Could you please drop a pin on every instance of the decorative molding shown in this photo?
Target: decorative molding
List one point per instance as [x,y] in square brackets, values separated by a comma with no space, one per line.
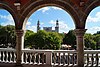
[17,4]
[82,3]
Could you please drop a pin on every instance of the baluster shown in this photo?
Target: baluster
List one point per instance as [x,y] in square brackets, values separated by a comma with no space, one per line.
[10,56]
[55,58]
[97,60]
[3,57]
[29,57]
[32,58]
[64,59]
[35,60]
[7,56]
[87,59]
[26,57]
[42,58]
[73,59]
[38,58]
[92,58]
[14,56]
[0,55]
[68,59]
[59,57]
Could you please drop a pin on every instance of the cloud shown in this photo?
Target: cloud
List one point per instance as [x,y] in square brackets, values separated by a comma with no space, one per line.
[96,18]
[44,9]
[93,30]
[56,8]
[33,28]
[29,26]
[8,20]
[28,23]
[62,26]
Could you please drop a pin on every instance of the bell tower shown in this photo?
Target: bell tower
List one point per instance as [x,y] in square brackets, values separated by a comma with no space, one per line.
[57,26]
[38,25]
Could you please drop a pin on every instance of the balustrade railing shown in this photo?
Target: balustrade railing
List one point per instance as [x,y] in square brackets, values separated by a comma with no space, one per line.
[34,56]
[65,57]
[7,55]
[51,57]
[92,58]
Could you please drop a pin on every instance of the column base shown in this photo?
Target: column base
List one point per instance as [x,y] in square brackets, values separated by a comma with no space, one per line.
[80,65]
[19,65]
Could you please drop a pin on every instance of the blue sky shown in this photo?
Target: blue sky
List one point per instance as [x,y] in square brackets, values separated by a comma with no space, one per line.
[48,16]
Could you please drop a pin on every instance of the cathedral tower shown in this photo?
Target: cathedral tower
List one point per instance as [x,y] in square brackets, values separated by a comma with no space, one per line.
[57,27]
[38,25]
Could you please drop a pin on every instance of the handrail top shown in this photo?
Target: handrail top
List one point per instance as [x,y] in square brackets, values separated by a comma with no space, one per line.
[52,51]
[7,49]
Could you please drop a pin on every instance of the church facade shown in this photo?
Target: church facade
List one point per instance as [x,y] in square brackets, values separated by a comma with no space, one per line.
[48,29]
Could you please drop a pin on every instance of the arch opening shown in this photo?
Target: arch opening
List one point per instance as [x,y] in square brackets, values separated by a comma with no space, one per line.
[92,36]
[7,30]
[47,18]
[30,9]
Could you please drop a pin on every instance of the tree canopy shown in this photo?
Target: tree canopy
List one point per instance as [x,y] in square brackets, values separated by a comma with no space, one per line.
[45,40]
[7,36]
[70,38]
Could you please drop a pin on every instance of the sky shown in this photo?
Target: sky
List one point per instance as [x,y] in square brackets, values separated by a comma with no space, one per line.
[48,16]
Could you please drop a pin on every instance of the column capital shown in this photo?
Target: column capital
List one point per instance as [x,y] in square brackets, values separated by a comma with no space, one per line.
[19,32]
[80,32]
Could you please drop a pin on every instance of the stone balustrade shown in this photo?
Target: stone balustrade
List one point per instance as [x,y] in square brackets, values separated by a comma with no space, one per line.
[92,58]
[51,57]
[7,55]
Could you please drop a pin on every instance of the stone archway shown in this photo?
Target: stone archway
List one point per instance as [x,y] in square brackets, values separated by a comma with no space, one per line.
[79,11]
[89,8]
[11,10]
[32,7]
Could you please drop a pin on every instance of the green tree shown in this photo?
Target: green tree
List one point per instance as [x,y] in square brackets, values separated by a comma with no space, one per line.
[7,36]
[43,40]
[96,37]
[28,39]
[70,39]
[97,40]
[89,41]
[39,39]
[53,41]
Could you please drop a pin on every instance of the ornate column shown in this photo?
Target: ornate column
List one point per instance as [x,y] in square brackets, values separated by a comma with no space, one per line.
[80,46]
[19,46]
